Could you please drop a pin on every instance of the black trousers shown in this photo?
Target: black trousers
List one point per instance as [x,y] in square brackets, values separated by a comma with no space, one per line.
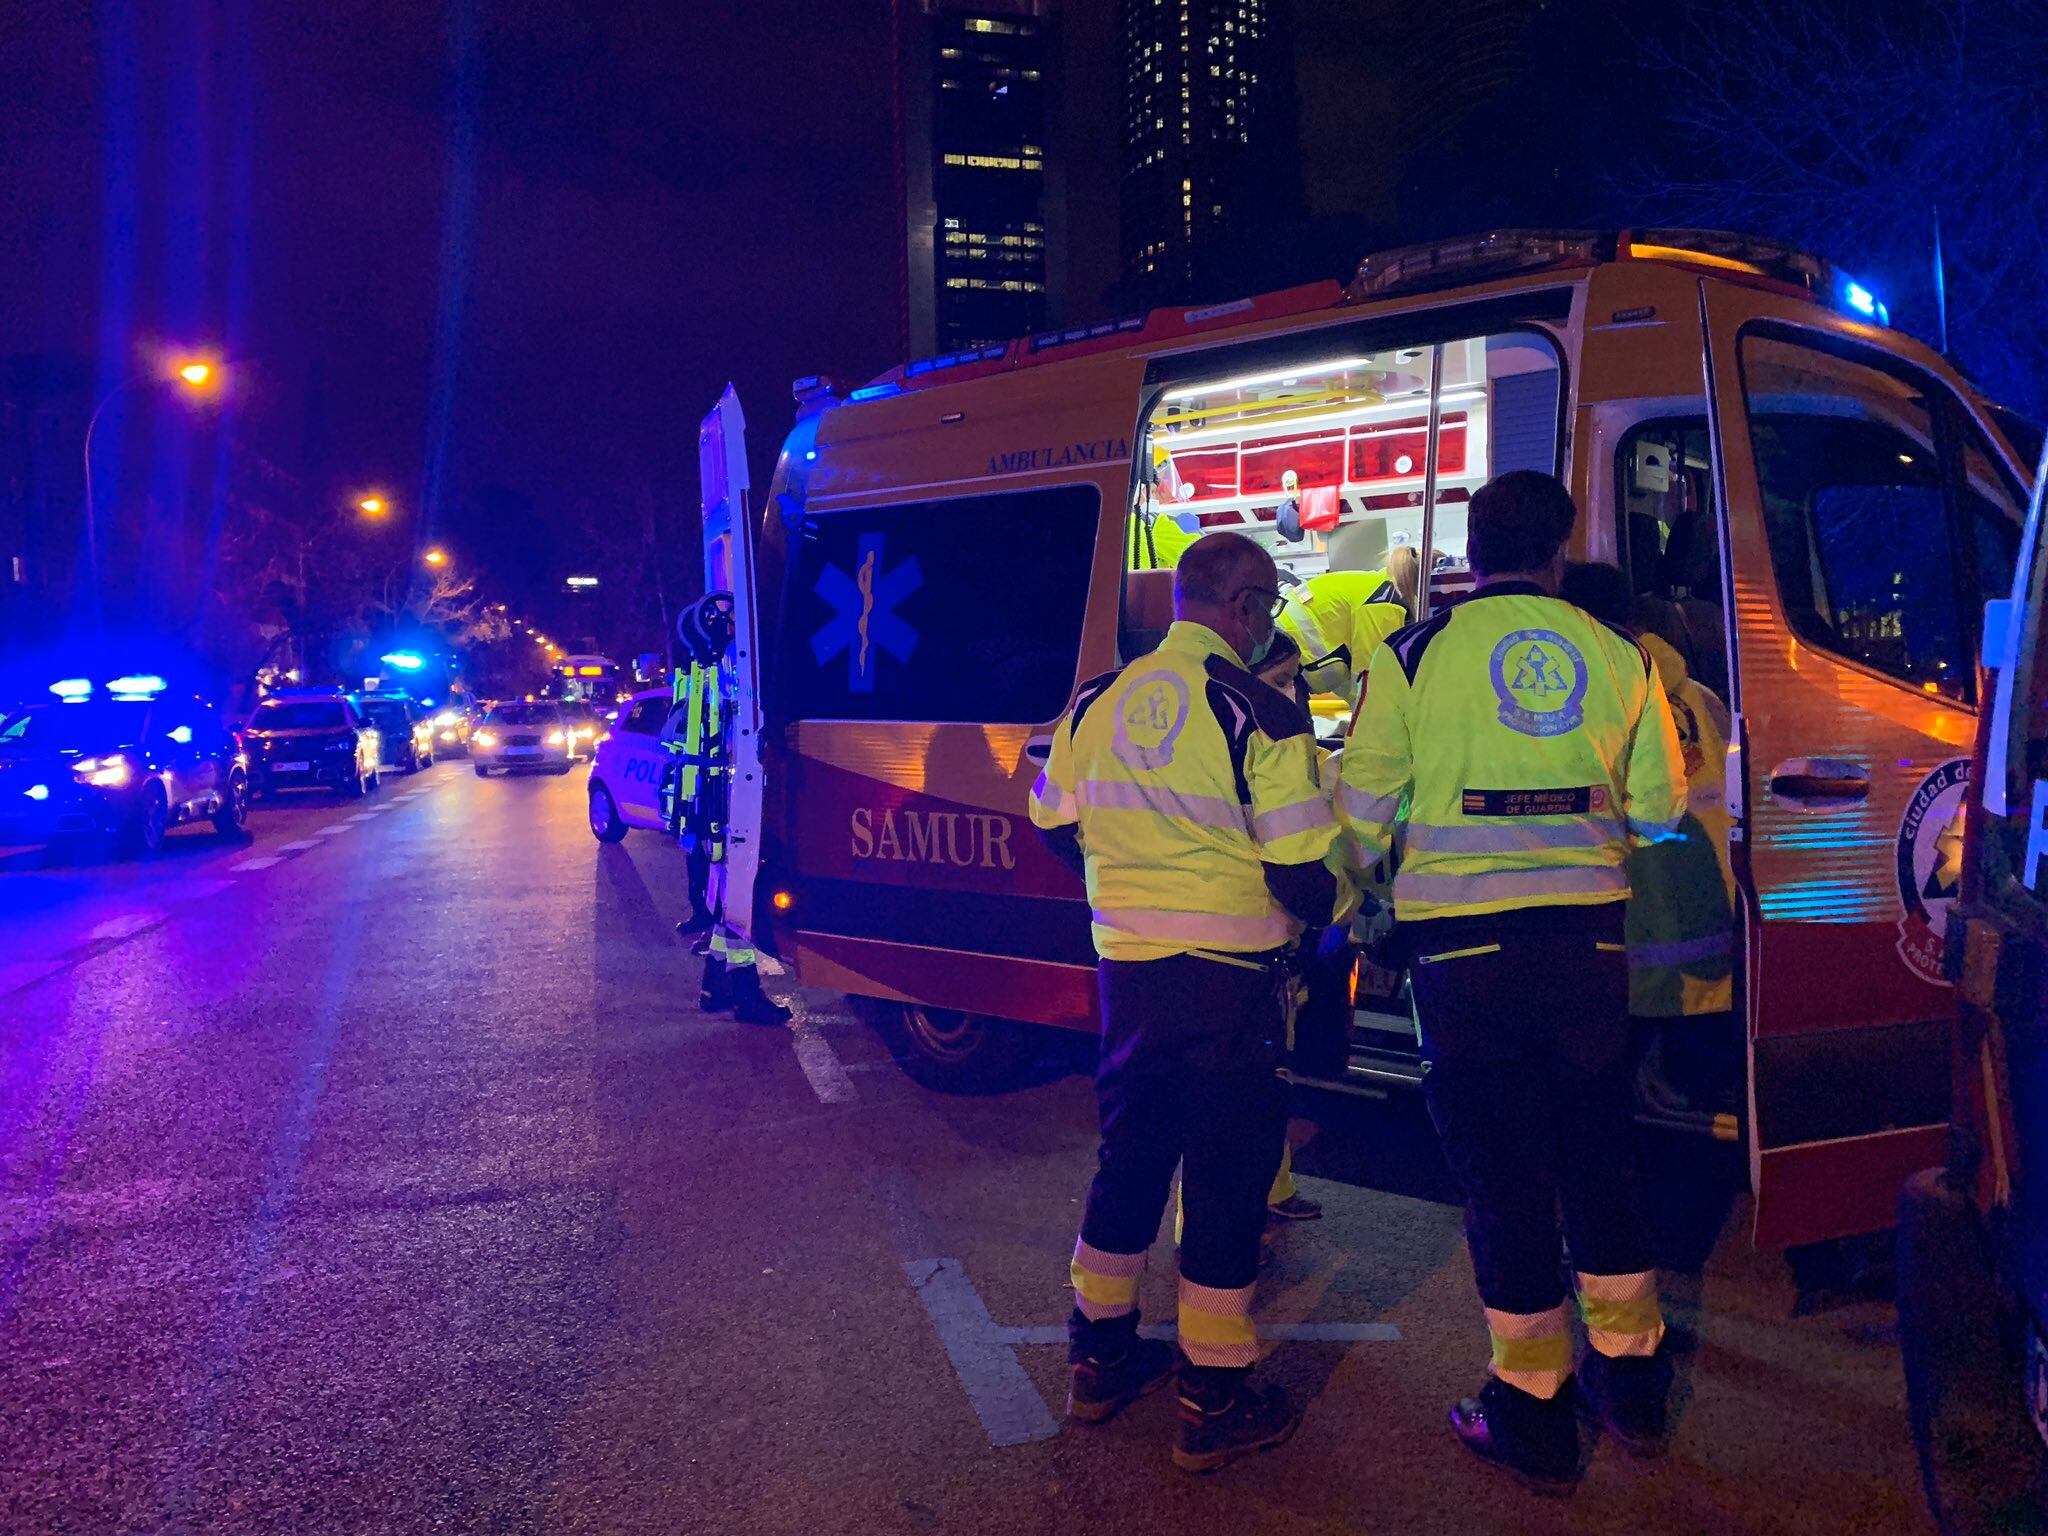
[1188,1076]
[1525,1026]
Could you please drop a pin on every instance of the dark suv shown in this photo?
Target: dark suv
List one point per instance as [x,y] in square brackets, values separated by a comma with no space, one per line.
[309,740]
[406,732]
[126,764]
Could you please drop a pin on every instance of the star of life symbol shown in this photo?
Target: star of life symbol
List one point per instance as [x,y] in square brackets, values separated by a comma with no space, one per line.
[1149,721]
[866,618]
[1540,679]
[1930,867]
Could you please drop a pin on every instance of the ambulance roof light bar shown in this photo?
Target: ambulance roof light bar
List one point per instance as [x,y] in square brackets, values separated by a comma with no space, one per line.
[1771,259]
[1473,258]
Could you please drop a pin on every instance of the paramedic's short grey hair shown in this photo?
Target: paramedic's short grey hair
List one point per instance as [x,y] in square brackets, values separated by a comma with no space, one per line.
[1218,565]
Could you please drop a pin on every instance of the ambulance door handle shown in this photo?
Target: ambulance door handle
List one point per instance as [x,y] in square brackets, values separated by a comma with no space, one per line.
[1821,783]
[1038,749]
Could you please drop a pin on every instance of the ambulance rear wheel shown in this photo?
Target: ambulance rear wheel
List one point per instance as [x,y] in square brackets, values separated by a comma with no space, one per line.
[954,1052]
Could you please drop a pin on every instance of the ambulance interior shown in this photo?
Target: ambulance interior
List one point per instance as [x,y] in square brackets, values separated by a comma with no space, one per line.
[1330,463]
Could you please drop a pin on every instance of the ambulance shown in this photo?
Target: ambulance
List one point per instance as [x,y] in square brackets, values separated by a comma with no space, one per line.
[1810,505]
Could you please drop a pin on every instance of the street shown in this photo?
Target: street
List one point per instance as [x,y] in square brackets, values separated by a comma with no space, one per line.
[378,1175]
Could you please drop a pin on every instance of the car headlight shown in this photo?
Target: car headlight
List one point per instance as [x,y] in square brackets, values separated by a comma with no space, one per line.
[102,772]
[447,717]
[486,739]
[556,738]
[447,735]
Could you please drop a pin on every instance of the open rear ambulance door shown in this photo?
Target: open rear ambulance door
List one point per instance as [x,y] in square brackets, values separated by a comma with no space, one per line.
[729,567]
[1863,523]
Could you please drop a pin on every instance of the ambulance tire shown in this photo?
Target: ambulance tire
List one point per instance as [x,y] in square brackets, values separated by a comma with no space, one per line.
[953,1052]
[1981,1464]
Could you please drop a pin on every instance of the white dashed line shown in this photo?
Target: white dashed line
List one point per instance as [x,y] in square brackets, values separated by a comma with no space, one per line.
[815,1055]
[362,816]
[331,828]
[127,925]
[249,866]
[300,846]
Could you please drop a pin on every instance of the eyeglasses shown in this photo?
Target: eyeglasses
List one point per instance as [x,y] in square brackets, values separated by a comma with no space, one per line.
[1273,601]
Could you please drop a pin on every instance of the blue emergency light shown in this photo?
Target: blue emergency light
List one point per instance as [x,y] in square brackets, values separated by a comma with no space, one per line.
[405,661]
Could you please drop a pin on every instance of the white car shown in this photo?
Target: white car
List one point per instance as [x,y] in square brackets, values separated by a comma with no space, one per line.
[625,773]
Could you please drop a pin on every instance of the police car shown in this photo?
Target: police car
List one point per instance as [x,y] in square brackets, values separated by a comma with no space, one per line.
[626,770]
[125,759]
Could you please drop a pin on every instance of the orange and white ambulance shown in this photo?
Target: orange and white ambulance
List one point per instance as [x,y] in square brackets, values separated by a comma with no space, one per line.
[1810,506]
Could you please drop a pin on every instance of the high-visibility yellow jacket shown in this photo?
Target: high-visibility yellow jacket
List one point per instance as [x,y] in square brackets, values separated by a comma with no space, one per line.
[1681,909]
[1155,548]
[1508,750]
[1186,776]
[1339,618]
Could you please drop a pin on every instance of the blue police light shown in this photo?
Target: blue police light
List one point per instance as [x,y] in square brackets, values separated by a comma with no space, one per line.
[72,688]
[137,686]
[1862,300]
[37,791]
[405,661]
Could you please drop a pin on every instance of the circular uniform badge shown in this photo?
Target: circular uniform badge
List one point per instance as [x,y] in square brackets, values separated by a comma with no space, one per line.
[1930,866]
[1540,680]
[1153,713]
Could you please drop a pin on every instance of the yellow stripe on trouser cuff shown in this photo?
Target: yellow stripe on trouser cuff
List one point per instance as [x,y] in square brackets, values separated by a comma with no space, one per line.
[1532,1350]
[1622,1315]
[1105,1284]
[1216,1325]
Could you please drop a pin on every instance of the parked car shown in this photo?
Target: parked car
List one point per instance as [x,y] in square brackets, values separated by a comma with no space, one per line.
[125,761]
[311,738]
[1972,1256]
[625,774]
[404,730]
[521,734]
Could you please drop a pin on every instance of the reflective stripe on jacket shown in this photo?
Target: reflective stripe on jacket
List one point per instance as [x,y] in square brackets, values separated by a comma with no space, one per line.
[1681,909]
[1508,751]
[1186,775]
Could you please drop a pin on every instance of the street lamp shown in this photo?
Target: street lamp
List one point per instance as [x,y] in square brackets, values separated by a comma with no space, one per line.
[436,557]
[372,506]
[194,375]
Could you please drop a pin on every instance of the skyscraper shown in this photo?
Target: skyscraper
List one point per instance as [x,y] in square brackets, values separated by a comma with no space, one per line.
[972,92]
[1207,124]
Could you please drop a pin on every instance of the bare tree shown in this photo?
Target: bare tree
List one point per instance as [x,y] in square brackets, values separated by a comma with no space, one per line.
[1850,129]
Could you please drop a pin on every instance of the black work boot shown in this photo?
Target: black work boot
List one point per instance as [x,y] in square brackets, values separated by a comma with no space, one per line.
[1113,1367]
[1534,1439]
[1223,1417]
[715,996]
[1629,1394]
[699,921]
[750,1005]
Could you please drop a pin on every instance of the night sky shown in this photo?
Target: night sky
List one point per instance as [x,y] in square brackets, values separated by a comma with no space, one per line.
[528,241]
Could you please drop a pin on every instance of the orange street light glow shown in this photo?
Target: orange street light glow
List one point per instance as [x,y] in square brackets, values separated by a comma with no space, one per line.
[374,505]
[437,557]
[196,373]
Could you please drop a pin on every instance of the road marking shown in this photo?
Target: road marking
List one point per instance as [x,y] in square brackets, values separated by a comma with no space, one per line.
[1299,1333]
[361,816]
[827,1074]
[126,926]
[300,846]
[250,866]
[1002,1396]
[331,828]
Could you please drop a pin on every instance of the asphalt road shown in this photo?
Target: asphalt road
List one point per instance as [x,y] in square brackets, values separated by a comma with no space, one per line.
[379,1176]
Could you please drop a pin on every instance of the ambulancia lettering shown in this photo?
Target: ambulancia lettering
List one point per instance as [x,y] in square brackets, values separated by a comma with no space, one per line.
[1059,456]
[962,839]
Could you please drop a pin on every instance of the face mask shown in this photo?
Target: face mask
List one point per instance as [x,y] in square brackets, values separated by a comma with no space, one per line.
[1260,652]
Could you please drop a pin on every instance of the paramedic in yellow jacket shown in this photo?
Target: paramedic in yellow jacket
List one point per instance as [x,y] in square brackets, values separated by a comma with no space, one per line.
[1339,618]
[1681,907]
[1186,792]
[1509,751]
